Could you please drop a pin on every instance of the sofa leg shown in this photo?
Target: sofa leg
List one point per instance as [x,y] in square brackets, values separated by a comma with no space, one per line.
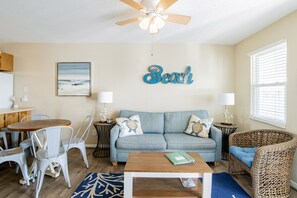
[216,163]
[114,163]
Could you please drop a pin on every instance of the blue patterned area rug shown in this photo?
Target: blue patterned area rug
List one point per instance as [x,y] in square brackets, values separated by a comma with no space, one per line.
[111,185]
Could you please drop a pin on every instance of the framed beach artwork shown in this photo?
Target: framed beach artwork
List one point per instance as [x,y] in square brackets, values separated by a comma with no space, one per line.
[74,79]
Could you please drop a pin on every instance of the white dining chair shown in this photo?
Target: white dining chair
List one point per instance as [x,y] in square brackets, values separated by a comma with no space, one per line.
[13,134]
[16,155]
[26,144]
[3,136]
[48,149]
[78,141]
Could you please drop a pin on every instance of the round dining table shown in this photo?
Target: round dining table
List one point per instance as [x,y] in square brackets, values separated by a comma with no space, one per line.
[34,125]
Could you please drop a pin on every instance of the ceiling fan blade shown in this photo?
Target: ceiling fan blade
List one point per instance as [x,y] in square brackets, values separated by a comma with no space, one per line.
[165,4]
[180,19]
[133,4]
[125,22]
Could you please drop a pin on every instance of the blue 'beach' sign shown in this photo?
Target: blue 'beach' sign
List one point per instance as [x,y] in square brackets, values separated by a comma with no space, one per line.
[155,76]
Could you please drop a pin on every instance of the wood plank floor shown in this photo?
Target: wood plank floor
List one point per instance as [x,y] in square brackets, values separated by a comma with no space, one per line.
[54,188]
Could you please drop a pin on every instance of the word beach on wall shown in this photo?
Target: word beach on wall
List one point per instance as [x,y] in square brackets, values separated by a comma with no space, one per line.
[156,75]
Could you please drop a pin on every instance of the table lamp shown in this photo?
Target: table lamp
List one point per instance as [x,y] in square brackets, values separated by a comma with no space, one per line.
[105,97]
[227,99]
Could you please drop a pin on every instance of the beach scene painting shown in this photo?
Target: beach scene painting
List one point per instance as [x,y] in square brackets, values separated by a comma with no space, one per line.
[74,79]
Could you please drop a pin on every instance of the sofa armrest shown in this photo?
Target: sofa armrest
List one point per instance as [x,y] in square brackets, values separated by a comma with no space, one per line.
[114,135]
[216,135]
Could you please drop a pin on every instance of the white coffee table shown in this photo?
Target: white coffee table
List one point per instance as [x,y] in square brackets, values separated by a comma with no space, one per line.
[156,165]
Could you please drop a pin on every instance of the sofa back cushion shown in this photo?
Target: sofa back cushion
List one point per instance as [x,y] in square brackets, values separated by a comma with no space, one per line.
[177,122]
[150,122]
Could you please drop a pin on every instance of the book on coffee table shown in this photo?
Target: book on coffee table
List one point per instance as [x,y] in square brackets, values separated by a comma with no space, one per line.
[177,158]
[187,182]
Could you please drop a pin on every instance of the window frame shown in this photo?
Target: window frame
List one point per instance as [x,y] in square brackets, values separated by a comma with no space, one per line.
[262,118]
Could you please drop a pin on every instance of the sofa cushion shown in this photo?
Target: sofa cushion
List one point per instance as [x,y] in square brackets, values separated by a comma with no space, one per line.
[183,141]
[246,155]
[199,127]
[129,126]
[142,142]
[177,122]
[150,122]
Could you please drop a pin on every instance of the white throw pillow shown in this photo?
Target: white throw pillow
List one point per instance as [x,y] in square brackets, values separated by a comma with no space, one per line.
[199,127]
[129,126]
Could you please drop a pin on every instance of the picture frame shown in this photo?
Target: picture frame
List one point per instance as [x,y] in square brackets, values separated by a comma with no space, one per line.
[73,79]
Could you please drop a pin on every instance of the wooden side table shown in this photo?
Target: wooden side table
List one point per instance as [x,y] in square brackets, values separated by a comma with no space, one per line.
[226,130]
[103,145]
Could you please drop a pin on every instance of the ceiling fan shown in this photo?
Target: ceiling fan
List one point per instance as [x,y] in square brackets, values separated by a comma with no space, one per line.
[154,17]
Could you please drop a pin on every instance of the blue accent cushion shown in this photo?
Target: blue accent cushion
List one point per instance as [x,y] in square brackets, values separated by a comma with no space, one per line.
[177,122]
[246,155]
[150,122]
[142,142]
[182,141]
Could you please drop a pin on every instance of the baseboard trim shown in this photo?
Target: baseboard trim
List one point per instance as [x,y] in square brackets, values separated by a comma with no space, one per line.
[91,145]
[294,184]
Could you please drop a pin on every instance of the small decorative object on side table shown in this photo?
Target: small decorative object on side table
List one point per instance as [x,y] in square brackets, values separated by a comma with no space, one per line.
[227,129]
[103,132]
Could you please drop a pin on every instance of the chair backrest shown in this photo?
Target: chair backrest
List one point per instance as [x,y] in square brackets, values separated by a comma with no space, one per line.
[50,140]
[35,117]
[84,129]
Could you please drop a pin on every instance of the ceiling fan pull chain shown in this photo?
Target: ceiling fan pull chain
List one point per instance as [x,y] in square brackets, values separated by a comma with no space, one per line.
[152,53]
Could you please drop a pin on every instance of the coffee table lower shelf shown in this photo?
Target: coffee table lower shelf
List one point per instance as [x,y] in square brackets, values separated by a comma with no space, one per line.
[163,187]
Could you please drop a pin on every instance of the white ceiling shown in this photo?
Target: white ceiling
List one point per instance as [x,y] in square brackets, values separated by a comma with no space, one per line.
[213,21]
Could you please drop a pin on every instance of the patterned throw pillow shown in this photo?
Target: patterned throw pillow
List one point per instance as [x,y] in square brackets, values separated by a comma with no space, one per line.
[129,126]
[199,127]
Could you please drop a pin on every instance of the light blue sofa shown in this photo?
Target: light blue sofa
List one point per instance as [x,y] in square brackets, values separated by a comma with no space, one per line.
[163,132]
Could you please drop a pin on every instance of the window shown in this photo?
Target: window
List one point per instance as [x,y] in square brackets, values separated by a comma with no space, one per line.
[268,84]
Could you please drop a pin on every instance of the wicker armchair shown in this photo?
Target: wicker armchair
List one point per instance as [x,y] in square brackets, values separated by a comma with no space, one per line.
[272,164]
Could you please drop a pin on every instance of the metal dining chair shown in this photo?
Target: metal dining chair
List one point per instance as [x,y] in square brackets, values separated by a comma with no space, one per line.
[16,155]
[47,148]
[15,134]
[26,144]
[3,136]
[78,141]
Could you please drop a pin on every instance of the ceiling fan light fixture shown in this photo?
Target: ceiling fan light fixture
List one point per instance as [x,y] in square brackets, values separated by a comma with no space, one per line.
[154,18]
[159,9]
[165,17]
[144,23]
[153,28]
[159,22]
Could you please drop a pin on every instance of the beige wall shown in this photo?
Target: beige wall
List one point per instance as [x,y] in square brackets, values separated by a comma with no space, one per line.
[120,68]
[283,29]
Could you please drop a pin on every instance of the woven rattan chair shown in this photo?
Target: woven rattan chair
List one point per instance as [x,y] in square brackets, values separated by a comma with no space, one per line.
[272,164]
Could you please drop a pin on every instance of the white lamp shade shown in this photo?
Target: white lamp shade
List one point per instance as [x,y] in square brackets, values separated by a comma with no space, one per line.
[227,99]
[105,97]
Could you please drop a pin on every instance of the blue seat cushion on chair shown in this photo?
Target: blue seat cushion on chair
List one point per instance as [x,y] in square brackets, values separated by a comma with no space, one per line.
[246,155]
[142,142]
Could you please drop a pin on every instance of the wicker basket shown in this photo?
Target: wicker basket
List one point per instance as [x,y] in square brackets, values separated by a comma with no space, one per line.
[272,165]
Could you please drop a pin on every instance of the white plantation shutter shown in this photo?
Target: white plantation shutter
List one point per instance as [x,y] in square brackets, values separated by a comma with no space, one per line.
[268,85]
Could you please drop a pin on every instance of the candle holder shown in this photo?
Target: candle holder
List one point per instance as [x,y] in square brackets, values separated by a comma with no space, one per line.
[16,100]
